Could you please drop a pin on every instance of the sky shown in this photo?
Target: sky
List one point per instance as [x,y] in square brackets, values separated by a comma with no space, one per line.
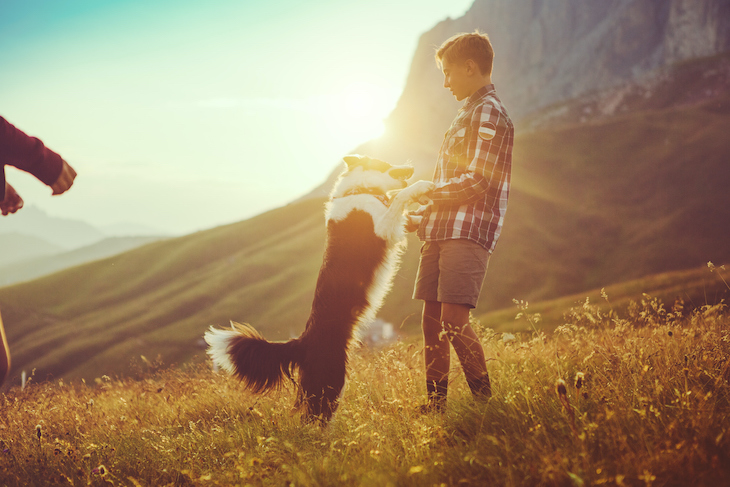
[184,115]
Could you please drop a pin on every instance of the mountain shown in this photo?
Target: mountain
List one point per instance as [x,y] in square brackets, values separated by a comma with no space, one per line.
[44,264]
[130,229]
[617,177]
[550,52]
[16,248]
[61,232]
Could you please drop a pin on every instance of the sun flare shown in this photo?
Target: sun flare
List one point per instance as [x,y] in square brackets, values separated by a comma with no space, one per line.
[364,105]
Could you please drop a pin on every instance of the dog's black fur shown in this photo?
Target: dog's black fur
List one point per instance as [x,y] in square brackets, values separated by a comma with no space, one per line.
[364,233]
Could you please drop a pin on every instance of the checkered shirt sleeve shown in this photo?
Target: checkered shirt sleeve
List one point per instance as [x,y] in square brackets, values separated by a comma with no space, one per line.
[472,174]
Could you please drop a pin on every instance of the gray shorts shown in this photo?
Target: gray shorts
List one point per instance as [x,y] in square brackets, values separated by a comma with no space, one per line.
[451,271]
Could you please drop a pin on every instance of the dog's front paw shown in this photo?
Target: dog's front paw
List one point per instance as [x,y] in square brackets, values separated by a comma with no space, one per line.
[418,189]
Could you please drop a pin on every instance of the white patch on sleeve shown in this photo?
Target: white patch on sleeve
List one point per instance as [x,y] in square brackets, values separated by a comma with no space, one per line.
[487,130]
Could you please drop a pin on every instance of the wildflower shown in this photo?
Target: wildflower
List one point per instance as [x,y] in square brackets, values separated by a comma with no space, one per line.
[560,388]
[562,391]
[579,380]
[507,337]
[647,477]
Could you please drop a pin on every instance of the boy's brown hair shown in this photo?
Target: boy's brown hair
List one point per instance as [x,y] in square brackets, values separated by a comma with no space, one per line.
[475,46]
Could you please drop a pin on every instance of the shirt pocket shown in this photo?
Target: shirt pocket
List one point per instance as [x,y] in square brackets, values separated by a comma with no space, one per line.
[456,142]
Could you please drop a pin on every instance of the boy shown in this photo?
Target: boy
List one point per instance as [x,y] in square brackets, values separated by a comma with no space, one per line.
[461,226]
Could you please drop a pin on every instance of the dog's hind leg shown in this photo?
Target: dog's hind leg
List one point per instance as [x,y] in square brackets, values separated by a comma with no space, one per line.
[320,384]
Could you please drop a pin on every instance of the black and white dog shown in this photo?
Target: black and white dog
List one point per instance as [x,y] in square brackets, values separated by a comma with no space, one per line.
[365,235]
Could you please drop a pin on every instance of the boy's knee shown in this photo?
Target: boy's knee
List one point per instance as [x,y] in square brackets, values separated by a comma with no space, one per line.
[455,316]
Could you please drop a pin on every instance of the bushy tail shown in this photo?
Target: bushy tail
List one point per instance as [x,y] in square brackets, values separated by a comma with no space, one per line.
[244,353]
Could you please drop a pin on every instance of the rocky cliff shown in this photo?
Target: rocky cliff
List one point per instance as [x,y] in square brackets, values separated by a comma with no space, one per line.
[549,52]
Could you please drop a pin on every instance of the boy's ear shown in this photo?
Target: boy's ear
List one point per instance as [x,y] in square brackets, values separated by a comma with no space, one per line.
[471,66]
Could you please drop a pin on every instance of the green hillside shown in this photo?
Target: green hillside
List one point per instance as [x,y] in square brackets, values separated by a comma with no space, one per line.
[159,299]
[593,205]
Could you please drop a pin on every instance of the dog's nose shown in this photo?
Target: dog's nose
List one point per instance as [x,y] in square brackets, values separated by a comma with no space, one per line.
[401,172]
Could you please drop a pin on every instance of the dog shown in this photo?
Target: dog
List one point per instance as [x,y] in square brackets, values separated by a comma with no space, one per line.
[365,237]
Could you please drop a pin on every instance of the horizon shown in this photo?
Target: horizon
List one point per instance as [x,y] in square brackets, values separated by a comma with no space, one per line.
[170,126]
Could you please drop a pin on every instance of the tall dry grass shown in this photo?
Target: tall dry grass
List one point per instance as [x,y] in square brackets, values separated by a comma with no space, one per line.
[637,399]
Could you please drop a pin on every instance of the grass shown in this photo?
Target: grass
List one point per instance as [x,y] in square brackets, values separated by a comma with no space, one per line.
[640,397]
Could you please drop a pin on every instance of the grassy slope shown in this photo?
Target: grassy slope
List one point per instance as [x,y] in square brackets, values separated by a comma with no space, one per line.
[600,204]
[593,205]
[652,408]
[161,297]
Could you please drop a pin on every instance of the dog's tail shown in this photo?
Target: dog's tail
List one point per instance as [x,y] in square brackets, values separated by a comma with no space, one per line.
[244,353]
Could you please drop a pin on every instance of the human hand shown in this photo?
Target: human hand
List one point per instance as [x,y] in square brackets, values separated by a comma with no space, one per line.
[414,217]
[413,221]
[65,179]
[12,202]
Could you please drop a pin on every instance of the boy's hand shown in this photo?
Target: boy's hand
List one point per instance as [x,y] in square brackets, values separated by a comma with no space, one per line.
[414,218]
[65,179]
[12,202]
[412,222]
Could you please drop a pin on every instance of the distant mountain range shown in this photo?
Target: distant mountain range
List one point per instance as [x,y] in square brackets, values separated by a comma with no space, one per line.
[620,179]
[16,247]
[63,233]
[33,244]
[48,262]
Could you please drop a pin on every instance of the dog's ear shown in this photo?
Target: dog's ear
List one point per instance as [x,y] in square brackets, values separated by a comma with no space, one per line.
[353,160]
[401,172]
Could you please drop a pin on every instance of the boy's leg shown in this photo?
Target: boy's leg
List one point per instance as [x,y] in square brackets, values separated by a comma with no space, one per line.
[4,354]
[455,318]
[437,355]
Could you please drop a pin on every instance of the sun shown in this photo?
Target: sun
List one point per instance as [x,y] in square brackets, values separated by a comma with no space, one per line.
[359,99]
[364,105]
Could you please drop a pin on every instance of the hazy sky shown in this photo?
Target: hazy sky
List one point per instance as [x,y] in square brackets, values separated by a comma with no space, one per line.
[183,115]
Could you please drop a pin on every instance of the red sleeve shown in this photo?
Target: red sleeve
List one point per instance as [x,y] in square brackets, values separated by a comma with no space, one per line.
[26,153]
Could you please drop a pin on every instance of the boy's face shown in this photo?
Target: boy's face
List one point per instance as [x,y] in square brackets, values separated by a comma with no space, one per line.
[459,78]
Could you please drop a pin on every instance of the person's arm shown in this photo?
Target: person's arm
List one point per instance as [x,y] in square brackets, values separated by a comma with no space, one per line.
[488,130]
[29,154]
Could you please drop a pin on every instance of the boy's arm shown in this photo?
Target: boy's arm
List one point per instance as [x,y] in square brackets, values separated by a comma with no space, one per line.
[489,129]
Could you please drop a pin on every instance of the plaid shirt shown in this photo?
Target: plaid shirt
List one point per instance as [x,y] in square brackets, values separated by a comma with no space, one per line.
[472,174]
